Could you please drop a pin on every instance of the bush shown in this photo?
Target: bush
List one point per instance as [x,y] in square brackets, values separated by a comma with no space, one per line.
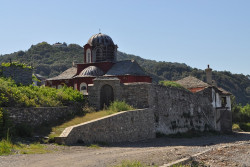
[172,84]
[118,106]
[245,127]
[241,113]
[12,95]
[236,128]
[5,147]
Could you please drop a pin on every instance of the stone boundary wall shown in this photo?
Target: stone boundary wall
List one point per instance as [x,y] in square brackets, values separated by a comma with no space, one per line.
[124,126]
[39,116]
[178,110]
[18,74]
[136,94]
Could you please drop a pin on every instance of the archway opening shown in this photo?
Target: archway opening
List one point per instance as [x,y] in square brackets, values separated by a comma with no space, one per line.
[107,96]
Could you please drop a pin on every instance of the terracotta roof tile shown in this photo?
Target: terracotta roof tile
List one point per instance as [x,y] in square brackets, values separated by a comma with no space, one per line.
[192,82]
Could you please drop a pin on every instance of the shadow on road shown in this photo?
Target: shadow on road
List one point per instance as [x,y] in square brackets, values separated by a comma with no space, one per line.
[205,140]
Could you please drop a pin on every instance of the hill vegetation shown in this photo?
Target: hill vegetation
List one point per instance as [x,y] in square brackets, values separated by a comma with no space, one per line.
[50,61]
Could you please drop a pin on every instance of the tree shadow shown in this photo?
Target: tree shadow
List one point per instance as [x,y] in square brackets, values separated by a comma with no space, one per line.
[204,140]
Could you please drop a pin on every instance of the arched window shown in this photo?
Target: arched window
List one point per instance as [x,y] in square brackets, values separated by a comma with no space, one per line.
[83,88]
[88,56]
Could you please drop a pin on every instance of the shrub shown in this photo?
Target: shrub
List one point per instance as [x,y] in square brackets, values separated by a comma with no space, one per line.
[245,127]
[241,113]
[172,84]
[236,127]
[118,106]
[5,147]
[12,95]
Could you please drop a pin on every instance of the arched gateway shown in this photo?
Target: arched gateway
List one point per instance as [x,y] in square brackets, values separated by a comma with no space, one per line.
[107,95]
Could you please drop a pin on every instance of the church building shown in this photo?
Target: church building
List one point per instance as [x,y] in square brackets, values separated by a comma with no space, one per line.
[99,60]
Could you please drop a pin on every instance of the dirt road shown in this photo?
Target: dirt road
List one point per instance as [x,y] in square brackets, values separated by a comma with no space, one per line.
[153,152]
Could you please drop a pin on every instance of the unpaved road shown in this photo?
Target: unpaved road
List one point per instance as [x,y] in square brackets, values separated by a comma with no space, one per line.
[233,154]
[157,151]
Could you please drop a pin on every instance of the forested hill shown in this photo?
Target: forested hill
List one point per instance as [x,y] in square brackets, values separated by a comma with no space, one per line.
[50,61]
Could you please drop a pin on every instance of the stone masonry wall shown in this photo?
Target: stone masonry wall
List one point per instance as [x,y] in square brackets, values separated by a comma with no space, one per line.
[179,110]
[136,94]
[18,74]
[124,126]
[38,116]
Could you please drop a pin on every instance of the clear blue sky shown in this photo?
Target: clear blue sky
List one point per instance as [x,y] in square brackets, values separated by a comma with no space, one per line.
[195,32]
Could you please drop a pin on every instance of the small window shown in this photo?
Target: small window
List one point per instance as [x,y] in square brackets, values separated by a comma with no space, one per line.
[88,56]
[223,102]
[83,88]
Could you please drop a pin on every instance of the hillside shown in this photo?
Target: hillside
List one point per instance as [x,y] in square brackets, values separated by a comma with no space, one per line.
[50,61]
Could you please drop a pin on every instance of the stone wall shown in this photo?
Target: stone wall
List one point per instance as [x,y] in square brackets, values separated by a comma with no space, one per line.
[136,94]
[179,110]
[39,116]
[124,126]
[223,119]
[18,74]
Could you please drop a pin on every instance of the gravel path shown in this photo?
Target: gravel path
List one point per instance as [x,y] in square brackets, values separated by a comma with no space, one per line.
[233,154]
[153,152]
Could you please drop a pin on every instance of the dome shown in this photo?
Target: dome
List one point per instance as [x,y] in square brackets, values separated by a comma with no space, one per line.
[100,39]
[92,71]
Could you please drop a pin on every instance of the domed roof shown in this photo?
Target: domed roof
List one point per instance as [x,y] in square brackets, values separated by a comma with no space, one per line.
[100,39]
[92,71]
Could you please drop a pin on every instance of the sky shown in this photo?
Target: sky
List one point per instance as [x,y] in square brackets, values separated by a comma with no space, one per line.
[194,32]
